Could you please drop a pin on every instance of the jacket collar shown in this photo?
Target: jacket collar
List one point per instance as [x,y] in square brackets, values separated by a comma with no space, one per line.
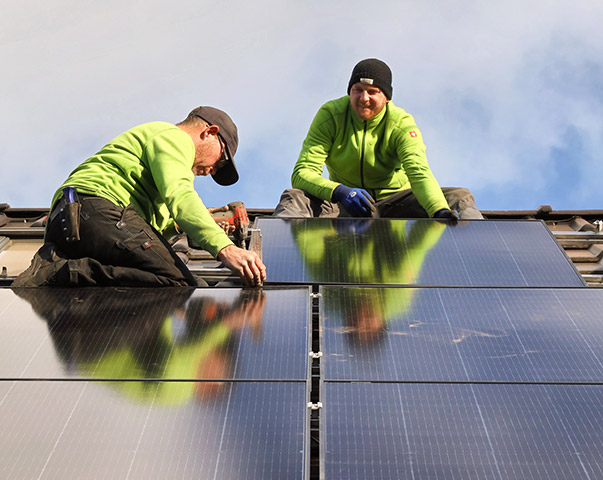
[369,123]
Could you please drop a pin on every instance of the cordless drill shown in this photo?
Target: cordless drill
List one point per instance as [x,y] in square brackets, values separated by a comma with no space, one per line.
[235,214]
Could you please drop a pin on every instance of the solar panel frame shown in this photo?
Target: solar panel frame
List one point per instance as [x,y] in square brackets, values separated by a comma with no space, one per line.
[461,334]
[249,334]
[419,252]
[92,429]
[468,431]
[572,402]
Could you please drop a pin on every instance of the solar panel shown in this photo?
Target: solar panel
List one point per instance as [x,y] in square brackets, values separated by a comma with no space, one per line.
[393,431]
[413,252]
[173,333]
[82,429]
[462,334]
[424,373]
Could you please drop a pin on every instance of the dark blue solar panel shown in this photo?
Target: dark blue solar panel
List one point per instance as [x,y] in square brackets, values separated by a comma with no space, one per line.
[165,334]
[414,252]
[394,431]
[82,429]
[485,382]
[462,334]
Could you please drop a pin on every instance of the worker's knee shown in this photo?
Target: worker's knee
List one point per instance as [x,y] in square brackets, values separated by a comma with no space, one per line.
[295,202]
[462,200]
[292,204]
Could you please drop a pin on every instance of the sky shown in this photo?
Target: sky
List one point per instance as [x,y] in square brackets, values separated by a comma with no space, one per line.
[508,95]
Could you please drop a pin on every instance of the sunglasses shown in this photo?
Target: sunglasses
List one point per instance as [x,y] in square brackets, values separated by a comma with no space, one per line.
[223,155]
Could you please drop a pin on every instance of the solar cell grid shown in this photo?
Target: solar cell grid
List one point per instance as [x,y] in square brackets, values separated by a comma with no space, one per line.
[414,252]
[497,335]
[393,431]
[154,333]
[67,429]
[414,382]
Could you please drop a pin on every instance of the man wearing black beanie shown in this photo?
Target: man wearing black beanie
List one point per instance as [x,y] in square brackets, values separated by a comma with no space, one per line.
[375,156]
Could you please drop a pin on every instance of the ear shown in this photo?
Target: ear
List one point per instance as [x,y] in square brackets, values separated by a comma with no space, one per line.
[208,131]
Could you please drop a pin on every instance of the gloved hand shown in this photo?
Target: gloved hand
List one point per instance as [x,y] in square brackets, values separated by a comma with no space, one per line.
[447,214]
[357,201]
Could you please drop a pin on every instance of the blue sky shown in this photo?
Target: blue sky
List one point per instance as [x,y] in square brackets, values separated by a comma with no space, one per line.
[508,95]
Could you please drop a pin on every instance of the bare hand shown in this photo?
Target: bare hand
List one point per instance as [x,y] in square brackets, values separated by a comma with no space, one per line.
[224,208]
[245,264]
[223,224]
[227,227]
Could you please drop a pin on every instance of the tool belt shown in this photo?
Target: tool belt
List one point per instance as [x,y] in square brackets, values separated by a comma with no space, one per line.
[68,210]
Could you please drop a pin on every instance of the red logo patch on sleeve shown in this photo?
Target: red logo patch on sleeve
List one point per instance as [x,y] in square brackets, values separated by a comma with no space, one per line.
[413,134]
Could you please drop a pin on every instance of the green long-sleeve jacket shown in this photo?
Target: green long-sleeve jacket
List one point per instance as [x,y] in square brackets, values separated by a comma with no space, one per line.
[149,166]
[383,155]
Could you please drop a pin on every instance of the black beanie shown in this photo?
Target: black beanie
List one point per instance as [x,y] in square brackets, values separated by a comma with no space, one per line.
[373,72]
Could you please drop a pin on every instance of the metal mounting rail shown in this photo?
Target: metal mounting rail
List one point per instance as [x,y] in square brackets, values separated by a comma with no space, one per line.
[590,236]
[22,232]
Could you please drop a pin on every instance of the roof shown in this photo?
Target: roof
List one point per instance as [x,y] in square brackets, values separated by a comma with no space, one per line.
[579,232]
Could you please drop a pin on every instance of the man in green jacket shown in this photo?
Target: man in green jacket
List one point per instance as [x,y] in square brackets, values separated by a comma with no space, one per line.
[375,157]
[109,221]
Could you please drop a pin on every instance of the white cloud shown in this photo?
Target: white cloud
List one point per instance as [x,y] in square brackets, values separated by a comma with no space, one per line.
[487,82]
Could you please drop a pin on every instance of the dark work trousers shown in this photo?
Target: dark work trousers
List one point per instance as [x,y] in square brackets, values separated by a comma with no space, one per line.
[403,204]
[116,247]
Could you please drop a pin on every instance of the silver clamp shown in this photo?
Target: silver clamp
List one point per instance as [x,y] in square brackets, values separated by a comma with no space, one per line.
[314,406]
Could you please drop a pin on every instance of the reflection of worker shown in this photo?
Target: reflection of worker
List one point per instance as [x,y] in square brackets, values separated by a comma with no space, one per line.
[209,318]
[82,322]
[373,152]
[366,258]
[108,220]
[365,322]
[149,335]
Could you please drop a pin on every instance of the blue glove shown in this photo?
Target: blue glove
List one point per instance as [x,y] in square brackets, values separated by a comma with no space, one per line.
[447,214]
[357,201]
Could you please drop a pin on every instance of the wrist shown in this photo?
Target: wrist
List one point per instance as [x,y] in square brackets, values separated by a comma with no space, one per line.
[339,192]
[224,251]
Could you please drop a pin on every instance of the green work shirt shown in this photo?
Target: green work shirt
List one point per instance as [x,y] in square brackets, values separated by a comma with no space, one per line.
[383,155]
[150,167]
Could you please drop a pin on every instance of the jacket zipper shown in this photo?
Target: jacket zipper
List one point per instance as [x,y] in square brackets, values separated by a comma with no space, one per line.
[362,157]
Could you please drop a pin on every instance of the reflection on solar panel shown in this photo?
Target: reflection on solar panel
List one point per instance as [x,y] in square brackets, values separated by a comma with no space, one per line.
[81,429]
[394,431]
[414,382]
[434,334]
[413,252]
[173,333]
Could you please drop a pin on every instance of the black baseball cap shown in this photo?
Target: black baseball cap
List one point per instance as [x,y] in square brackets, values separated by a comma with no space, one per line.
[227,175]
